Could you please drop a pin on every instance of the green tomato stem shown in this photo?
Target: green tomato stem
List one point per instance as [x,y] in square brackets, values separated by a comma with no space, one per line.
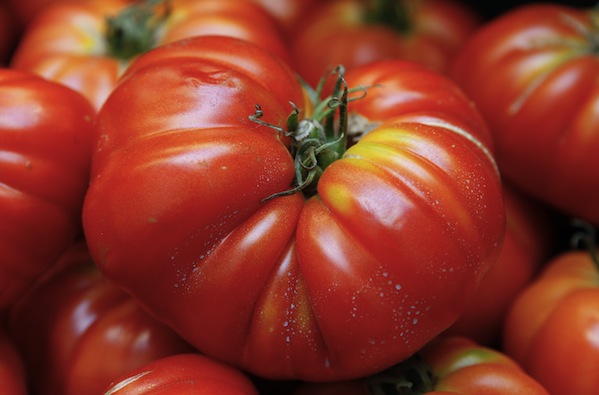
[396,14]
[410,377]
[318,141]
[586,238]
[133,30]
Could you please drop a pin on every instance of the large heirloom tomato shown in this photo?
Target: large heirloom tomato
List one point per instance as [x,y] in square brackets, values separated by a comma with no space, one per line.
[181,374]
[355,32]
[86,45]
[533,74]
[553,325]
[77,332]
[46,131]
[452,365]
[194,208]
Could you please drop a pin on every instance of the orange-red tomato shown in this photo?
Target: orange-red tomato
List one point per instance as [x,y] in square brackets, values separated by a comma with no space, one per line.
[70,41]
[552,328]
[348,32]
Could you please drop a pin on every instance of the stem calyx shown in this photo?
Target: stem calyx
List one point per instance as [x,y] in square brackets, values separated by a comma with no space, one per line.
[319,140]
[133,30]
[410,377]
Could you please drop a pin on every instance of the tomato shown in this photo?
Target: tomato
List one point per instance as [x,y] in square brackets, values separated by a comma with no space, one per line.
[182,374]
[12,372]
[532,72]
[73,43]
[449,365]
[551,328]
[355,32]
[346,277]
[77,332]
[529,239]
[46,133]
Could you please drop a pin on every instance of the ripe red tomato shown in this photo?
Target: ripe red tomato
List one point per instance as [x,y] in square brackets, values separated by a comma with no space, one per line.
[12,372]
[73,43]
[552,327]
[355,32]
[181,374]
[343,279]
[452,365]
[77,332]
[46,132]
[533,74]
[529,239]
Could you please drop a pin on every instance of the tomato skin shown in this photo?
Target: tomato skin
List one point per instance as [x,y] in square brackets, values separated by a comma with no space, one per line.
[337,32]
[26,10]
[9,33]
[291,287]
[59,47]
[458,366]
[395,87]
[77,332]
[46,132]
[530,235]
[12,372]
[288,13]
[463,367]
[551,325]
[541,100]
[183,374]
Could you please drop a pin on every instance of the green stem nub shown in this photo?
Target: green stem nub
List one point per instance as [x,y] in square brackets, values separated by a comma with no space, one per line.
[396,14]
[410,377]
[133,30]
[586,238]
[318,141]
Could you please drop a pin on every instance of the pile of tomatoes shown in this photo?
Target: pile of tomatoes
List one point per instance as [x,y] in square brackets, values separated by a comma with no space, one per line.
[298,197]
